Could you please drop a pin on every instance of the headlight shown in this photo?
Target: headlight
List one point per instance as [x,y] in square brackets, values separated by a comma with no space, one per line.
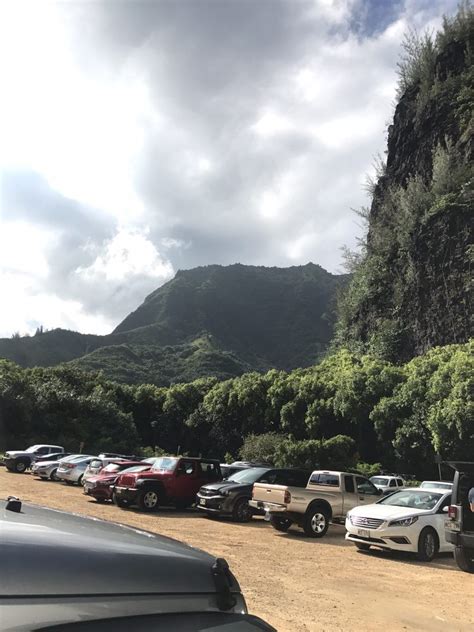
[403,522]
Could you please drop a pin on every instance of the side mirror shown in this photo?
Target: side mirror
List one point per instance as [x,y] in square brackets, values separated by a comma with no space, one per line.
[445,509]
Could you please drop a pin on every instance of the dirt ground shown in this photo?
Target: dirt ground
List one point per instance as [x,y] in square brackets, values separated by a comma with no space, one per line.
[294,583]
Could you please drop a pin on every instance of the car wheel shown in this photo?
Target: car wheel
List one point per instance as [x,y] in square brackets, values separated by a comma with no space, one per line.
[53,475]
[100,500]
[464,559]
[280,524]
[362,547]
[118,501]
[44,478]
[428,545]
[69,482]
[79,480]
[242,512]
[316,522]
[148,500]
[21,466]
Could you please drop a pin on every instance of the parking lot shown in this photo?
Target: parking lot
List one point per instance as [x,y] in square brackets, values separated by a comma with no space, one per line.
[296,584]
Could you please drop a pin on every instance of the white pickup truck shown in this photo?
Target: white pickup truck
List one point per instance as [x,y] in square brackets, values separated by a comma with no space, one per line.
[328,496]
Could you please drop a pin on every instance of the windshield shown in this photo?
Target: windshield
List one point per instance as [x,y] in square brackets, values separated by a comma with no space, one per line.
[413,499]
[165,463]
[379,480]
[33,448]
[248,476]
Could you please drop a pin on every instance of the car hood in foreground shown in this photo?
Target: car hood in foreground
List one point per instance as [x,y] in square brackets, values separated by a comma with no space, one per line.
[387,512]
[91,556]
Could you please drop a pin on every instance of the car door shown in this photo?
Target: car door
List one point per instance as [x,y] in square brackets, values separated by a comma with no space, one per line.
[439,519]
[187,480]
[366,491]
[351,497]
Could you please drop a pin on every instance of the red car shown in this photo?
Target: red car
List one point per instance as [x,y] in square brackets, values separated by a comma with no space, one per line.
[100,486]
[171,480]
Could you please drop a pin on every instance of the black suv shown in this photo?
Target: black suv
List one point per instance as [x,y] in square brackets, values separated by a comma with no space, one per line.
[460,523]
[231,496]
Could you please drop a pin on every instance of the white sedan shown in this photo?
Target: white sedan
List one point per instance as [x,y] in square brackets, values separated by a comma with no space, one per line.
[408,520]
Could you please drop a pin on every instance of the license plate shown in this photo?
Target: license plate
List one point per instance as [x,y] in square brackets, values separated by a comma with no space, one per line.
[452,525]
[202,501]
[363,533]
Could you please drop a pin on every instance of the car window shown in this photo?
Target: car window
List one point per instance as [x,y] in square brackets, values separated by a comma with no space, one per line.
[96,463]
[210,471]
[325,479]
[187,467]
[42,451]
[379,480]
[111,467]
[165,463]
[364,486]
[349,484]
[399,482]
[393,483]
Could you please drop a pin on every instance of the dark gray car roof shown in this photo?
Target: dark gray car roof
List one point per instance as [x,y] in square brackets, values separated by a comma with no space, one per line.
[49,552]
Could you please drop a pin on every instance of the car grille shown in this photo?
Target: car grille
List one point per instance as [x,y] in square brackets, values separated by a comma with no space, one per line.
[368,523]
[207,493]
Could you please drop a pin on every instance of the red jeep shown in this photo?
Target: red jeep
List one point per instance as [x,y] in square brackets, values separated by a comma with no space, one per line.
[171,480]
[101,485]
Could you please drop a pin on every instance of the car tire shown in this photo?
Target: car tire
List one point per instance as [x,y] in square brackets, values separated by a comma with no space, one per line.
[148,500]
[362,546]
[281,523]
[119,502]
[100,500]
[316,522]
[21,466]
[428,545]
[79,480]
[69,482]
[464,558]
[242,512]
[44,478]
[53,476]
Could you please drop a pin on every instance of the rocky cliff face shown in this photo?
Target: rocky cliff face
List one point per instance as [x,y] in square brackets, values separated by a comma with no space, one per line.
[412,289]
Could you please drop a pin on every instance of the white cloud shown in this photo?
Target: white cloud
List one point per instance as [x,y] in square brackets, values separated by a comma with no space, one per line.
[127,255]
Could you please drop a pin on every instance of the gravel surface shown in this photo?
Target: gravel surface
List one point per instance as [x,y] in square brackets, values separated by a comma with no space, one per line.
[295,583]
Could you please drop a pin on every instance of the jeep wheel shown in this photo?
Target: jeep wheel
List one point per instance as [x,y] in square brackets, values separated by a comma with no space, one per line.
[118,501]
[21,466]
[148,500]
[428,545]
[280,524]
[362,547]
[464,559]
[316,522]
[242,512]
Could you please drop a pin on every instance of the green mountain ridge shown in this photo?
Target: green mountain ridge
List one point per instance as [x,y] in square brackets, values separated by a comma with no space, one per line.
[213,320]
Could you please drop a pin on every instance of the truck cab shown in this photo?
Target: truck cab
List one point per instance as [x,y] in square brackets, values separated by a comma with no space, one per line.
[171,480]
[459,527]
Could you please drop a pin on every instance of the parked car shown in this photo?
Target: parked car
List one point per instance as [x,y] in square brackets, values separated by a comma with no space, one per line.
[460,523]
[170,481]
[446,485]
[48,469]
[387,484]
[231,497]
[328,496]
[411,519]
[20,460]
[72,471]
[101,485]
[91,575]
[96,465]
[54,456]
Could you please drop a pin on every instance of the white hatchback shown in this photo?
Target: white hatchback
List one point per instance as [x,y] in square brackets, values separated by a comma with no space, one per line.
[411,519]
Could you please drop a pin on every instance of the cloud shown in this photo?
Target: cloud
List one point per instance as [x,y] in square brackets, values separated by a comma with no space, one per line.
[140,138]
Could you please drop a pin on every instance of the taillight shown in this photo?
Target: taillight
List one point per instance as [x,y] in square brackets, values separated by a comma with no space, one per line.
[287,498]
[452,512]
[70,466]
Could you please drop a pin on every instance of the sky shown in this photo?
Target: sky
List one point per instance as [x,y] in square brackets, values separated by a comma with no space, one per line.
[138,138]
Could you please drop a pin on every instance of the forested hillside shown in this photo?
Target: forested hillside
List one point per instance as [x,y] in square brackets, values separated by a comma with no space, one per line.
[211,321]
[412,287]
[347,411]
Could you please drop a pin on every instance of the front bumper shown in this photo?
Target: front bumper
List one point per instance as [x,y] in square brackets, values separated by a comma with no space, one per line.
[130,494]
[393,538]
[217,504]
[103,492]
